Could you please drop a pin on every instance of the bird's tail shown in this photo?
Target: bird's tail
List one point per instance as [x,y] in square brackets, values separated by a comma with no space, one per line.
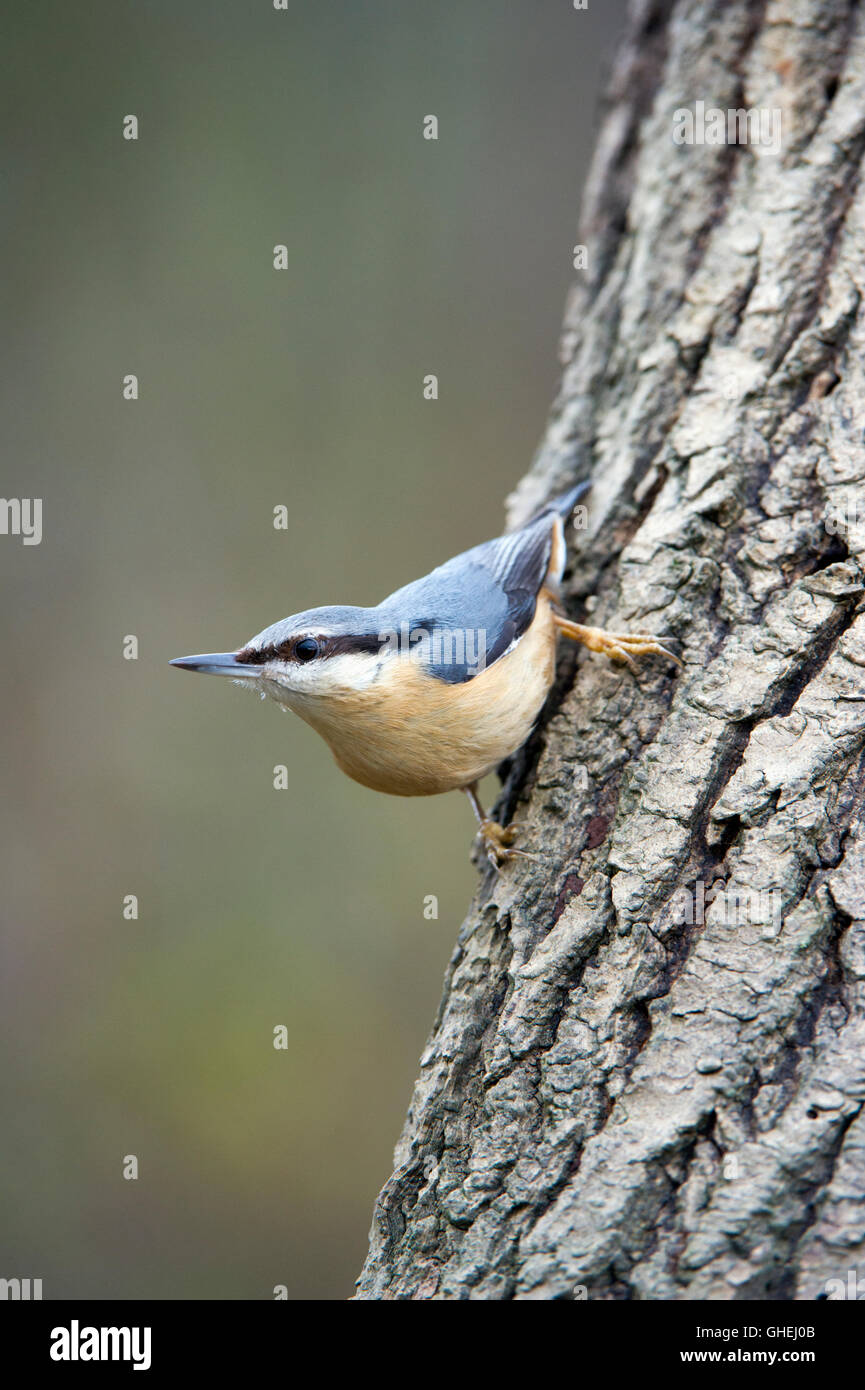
[562,505]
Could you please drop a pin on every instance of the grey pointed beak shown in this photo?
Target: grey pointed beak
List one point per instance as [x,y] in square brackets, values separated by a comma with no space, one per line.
[218,664]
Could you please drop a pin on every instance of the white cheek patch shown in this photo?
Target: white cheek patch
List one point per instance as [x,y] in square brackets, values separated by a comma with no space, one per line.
[329,676]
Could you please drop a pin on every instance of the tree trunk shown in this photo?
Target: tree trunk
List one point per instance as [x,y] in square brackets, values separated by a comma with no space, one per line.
[647,1074]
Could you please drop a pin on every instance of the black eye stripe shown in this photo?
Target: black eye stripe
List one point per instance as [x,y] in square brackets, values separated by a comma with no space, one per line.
[290,649]
[248,656]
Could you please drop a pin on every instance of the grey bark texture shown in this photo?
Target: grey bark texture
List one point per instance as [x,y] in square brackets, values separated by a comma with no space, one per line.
[618,1102]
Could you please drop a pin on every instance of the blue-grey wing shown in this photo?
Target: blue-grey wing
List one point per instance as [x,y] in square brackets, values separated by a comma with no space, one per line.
[476,605]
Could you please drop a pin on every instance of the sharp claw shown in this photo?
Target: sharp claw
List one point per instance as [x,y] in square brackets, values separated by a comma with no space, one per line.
[619,654]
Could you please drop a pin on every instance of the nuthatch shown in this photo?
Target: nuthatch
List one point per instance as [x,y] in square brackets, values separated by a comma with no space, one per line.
[438,684]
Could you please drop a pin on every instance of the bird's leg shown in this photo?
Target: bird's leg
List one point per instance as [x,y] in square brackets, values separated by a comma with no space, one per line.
[497,838]
[619,646]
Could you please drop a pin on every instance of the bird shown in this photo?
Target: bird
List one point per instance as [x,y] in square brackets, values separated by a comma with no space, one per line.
[439,683]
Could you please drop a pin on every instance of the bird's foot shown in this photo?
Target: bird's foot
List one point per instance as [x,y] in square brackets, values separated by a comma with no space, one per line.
[619,646]
[497,841]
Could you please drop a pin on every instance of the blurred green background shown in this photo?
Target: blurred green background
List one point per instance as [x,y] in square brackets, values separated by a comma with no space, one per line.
[257,388]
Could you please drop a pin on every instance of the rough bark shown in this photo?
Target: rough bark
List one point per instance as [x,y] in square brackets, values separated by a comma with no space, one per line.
[615,1102]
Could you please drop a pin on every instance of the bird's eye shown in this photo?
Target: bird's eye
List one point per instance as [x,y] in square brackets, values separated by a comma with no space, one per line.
[306,649]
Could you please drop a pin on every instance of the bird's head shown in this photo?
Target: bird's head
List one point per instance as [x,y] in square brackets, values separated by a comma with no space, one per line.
[307,658]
